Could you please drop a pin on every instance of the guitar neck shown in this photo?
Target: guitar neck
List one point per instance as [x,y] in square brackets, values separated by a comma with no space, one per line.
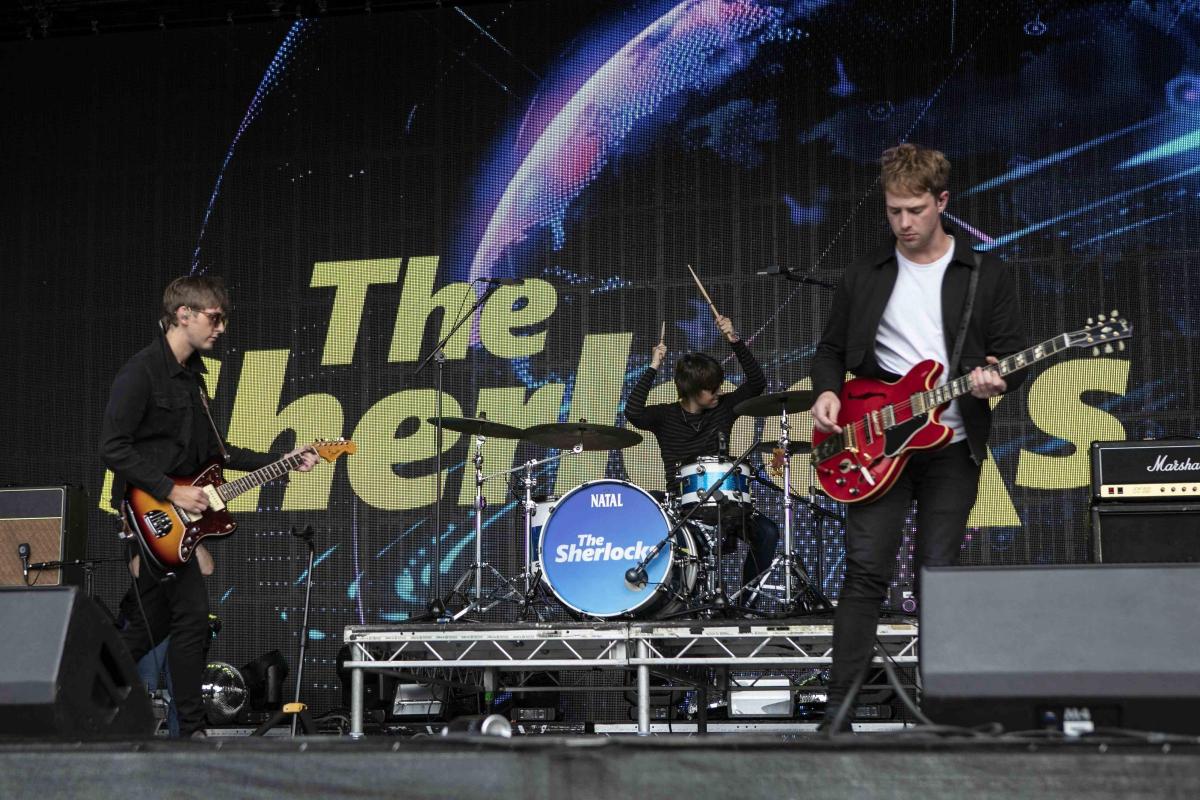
[924,401]
[251,480]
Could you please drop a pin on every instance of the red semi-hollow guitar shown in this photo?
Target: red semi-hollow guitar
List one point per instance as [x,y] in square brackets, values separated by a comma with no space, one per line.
[168,535]
[884,423]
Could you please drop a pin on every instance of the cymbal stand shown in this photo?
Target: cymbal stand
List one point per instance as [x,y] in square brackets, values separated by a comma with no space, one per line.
[530,577]
[793,570]
[475,604]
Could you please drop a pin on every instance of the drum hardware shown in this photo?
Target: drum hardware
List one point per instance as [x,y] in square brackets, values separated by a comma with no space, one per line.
[532,576]
[476,603]
[794,573]
[596,529]
[716,600]
[587,435]
[436,606]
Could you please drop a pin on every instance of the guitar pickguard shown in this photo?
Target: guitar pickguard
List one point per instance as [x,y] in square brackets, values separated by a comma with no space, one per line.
[897,437]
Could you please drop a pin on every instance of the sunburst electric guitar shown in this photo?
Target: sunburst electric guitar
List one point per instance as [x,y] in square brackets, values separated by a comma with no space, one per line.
[884,423]
[168,535]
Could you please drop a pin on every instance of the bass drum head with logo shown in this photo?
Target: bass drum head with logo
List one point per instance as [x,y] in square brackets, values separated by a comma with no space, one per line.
[596,532]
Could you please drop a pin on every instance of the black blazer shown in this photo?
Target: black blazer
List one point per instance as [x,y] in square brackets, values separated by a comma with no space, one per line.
[148,422]
[996,329]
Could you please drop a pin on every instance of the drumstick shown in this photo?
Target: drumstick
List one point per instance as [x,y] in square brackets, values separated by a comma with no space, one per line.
[716,314]
[662,336]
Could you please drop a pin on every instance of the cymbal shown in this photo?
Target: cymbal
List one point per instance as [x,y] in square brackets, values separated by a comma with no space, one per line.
[473,426]
[767,405]
[794,448]
[565,435]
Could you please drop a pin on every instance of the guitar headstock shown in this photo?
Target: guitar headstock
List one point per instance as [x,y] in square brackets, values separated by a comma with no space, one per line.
[331,449]
[1101,332]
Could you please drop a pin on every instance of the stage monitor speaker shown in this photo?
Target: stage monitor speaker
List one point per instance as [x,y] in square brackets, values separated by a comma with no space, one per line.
[66,673]
[1145,533]
[52,520]
[1071,648]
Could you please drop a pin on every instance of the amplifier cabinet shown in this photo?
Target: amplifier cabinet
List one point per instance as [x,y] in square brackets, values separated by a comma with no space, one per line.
[52,520]
[1143,533]
[1150,470]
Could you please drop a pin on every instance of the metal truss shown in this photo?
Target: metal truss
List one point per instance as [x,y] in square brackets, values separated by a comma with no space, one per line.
[644,646]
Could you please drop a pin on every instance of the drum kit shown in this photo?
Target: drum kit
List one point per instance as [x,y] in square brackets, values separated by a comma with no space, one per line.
[609,549]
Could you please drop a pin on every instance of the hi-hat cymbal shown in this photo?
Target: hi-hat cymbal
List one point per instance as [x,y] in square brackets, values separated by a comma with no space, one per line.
[768,405]
[473,426]
[565,435]
[794,448]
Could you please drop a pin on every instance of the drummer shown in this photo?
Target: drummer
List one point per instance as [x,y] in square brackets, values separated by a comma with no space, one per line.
[699,424]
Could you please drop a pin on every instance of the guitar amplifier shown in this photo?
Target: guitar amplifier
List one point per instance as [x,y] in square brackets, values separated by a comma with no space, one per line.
[1146,533]
[52,521]
[1155,469]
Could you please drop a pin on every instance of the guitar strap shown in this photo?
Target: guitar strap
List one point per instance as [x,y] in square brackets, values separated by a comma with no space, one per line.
[207,413]
[966,318]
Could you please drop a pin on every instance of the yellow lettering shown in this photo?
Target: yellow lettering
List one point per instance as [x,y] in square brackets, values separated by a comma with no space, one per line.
[313,416]
[351,279]
[598,381]
[372,470]
[418,302]
[500,318]
[1057,408]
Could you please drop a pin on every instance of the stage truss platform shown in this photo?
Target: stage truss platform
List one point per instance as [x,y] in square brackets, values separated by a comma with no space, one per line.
[476,654]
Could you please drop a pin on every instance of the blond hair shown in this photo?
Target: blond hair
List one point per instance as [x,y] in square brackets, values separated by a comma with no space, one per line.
[196,292]
[913,169]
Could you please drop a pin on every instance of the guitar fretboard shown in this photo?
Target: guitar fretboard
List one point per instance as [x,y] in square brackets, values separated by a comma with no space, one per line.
[270,472]
[923,401]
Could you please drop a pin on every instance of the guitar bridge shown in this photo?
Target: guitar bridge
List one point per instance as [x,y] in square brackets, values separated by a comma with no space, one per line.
[158,521]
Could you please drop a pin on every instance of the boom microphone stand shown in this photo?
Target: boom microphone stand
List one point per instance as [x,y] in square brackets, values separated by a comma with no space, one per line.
[437,605]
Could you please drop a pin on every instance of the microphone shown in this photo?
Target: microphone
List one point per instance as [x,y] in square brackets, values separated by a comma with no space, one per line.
[503,281]
[23,554]
[635,577]
[722,445]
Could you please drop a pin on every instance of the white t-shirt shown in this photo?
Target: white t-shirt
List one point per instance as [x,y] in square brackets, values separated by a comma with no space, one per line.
[911,328]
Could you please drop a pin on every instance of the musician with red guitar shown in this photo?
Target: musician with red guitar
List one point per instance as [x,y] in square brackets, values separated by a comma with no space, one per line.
[901,306]
[156,425]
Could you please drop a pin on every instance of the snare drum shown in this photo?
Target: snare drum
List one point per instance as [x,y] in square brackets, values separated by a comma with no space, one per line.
[598,531]
[699,476]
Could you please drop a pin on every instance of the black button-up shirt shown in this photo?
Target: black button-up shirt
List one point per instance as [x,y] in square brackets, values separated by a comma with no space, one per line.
[155,424]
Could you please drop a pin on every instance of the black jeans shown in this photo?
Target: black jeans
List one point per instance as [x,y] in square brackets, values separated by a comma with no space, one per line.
[177,608]
[944,484]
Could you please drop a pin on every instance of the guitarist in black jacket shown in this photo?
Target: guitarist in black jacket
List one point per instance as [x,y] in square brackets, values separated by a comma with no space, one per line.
[157,424]
[902,305]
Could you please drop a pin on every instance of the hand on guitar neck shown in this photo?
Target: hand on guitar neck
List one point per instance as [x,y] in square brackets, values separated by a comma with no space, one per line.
[986,382]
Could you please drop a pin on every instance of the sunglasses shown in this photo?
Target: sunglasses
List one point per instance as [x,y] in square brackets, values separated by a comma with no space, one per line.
[214,317]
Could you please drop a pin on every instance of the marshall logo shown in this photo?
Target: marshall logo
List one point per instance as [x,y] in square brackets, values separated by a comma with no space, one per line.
[1161,464]
[607,500]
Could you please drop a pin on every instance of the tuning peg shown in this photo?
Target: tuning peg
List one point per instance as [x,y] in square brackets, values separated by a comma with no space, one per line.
[1108,348]
[1101,318]
[1114,314]
[1095,351]
[1091,321]
[1120,345]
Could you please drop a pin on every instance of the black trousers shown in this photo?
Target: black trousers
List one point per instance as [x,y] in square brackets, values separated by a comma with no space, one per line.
[944,484]
[176,607]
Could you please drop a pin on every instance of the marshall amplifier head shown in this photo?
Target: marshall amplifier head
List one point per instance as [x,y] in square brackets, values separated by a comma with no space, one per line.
[1156,469]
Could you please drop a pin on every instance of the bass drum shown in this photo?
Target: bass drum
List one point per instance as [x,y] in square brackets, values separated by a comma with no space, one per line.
[600,529]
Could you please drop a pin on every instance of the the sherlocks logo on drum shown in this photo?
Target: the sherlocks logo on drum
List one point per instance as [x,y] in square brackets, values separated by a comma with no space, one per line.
[607,500]
[594,548]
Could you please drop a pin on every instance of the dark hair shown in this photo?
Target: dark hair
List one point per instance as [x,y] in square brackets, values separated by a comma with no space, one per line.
[193,291]
[695,372]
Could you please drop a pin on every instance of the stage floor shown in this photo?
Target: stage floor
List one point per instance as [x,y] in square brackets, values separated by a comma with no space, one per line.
[908,764]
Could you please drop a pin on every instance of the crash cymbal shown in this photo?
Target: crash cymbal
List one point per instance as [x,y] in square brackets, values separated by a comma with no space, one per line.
[565,435]
[473,426]
[767,405]
[794,448]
